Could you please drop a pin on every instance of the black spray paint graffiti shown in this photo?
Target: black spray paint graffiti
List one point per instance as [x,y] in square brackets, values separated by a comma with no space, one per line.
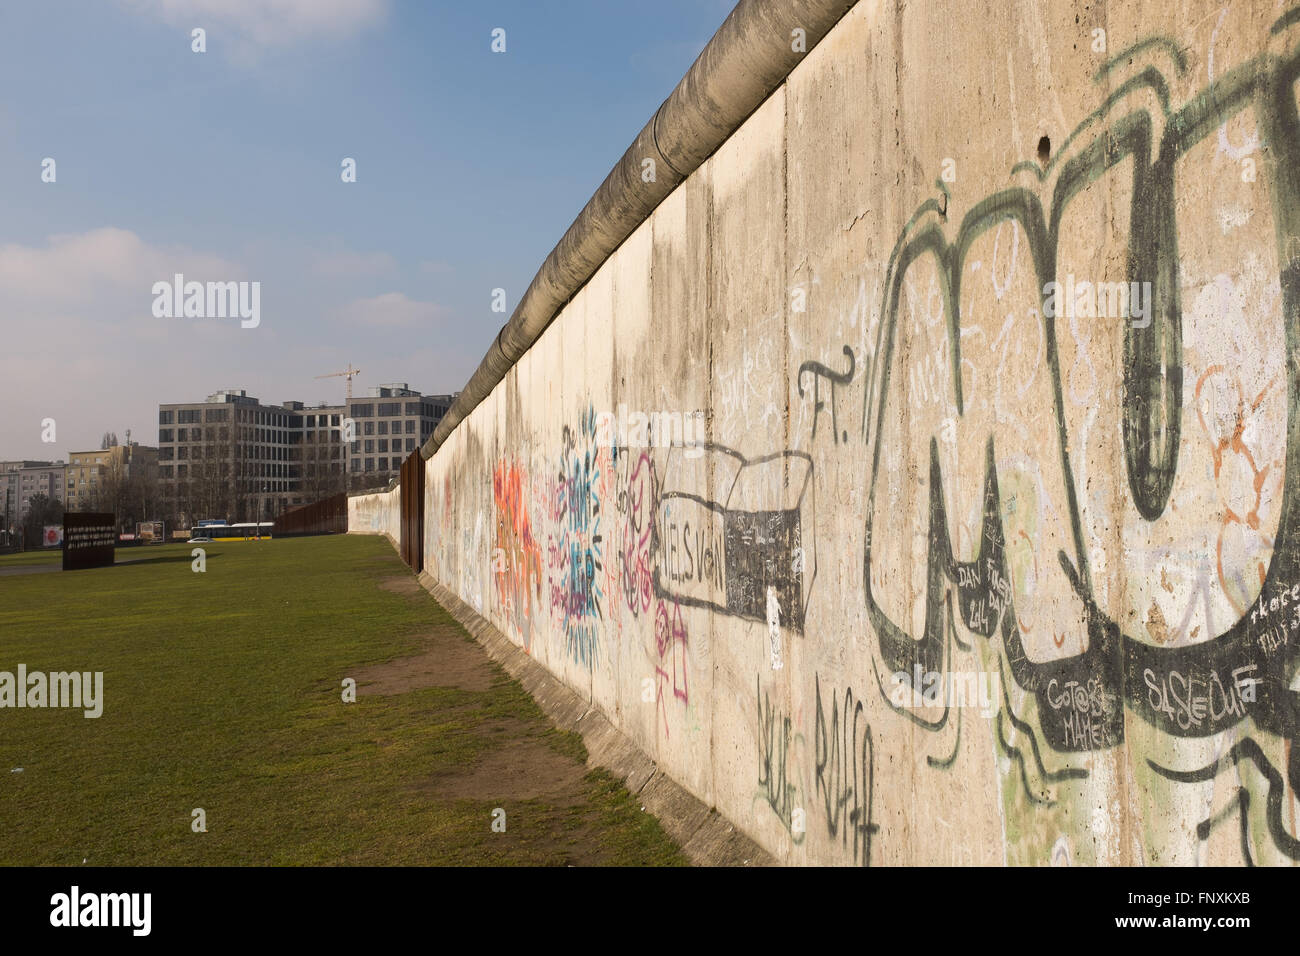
[774,759]
[730,551]
[1186,691]
[837,380]
[845,757]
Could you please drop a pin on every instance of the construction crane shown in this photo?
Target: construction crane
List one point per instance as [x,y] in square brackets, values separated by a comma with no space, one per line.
[349,373]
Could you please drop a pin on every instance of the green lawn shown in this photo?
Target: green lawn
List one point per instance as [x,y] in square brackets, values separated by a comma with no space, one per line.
[222,691]
[20,559]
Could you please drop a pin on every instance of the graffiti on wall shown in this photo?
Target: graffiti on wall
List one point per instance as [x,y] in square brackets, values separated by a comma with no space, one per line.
[637,500]
[724,543]
[1102,508]
[845,772]
[519,574]
[1202,684]
[575,546]
[670,665]
[776,772]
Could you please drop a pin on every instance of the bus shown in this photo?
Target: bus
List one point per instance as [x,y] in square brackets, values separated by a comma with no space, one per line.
[241,531]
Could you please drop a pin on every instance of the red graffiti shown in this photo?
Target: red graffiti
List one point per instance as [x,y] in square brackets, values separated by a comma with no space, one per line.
[519,578]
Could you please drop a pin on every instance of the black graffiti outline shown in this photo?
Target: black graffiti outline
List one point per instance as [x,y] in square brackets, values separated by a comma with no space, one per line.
[837,379]
[1248,749]
[829,754]
[1112,657]
[802,575]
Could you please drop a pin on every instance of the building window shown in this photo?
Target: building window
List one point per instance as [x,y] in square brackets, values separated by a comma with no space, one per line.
[383,428]
[390,409]
[370,464]
[370,447]
[410,426]
[410,444]
[363,411]
[164,434]
[383,444]
[165,417]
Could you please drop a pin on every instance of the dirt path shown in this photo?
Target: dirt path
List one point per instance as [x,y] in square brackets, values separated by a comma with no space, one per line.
[558,809]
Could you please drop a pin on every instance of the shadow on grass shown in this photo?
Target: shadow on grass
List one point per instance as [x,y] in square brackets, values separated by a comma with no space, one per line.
[162,559]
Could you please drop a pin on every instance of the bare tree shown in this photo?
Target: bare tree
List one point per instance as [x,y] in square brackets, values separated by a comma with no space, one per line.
[41,510]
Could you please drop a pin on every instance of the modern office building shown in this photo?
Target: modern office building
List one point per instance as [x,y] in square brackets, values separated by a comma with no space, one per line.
[233,457]
[229,457]
[390,424]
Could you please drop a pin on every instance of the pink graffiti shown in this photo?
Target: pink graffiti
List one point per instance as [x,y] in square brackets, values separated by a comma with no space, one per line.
[670,642]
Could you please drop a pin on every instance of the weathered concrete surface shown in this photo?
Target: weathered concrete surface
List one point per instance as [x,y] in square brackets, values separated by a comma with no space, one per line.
[378,513]
[909,467]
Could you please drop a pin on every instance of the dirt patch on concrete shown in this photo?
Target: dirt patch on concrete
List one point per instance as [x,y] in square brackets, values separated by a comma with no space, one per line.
[446,659]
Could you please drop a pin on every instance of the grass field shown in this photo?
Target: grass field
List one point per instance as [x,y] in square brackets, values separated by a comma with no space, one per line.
[22,559]
[223,691]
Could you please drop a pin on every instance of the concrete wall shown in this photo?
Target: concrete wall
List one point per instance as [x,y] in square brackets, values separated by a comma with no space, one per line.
[909,468]
[378,513]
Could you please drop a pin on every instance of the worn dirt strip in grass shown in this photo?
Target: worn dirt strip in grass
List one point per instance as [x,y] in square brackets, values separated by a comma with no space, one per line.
[223,693]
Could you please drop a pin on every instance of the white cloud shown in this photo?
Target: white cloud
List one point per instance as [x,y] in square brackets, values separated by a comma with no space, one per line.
[106,266]
[81,344]
[392,310]
[267,23]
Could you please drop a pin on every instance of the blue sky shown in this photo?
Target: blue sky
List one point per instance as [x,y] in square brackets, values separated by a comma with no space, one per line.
[225,166]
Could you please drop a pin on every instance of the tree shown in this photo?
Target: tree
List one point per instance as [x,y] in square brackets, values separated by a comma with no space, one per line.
[41,511]
[108,441]
[111,489]
[130,493]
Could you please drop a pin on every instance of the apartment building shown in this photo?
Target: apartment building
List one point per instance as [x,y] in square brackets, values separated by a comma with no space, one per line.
[94,474]
[19,480]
